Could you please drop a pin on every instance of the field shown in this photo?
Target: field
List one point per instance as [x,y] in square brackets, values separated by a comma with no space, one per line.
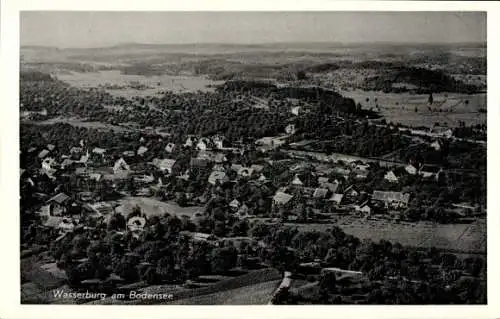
[463,237]
[400,107]
[152,84]
[154,207]
[258,294]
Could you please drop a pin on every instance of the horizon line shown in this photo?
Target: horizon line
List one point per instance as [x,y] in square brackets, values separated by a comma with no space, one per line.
[237,44]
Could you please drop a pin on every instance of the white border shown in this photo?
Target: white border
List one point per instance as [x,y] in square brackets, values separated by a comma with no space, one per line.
[9,125]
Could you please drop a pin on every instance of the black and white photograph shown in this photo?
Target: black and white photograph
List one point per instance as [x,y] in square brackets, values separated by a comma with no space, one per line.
[252,158]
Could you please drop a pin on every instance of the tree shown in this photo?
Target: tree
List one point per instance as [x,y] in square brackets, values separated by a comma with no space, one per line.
[224,259]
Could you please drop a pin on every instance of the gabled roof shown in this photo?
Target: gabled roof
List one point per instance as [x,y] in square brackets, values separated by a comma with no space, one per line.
[332,187]
[59,198]
[297,181]
[216,176]
[234,203]
[282,198]
[164,164]
[336,198]
[98,150]
[320,193]
[142,150]
[43,153]
[391,196]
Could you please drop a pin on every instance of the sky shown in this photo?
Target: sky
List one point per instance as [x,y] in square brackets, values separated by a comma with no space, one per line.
[67,29]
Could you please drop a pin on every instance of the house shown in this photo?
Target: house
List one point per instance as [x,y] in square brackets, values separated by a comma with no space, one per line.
[218,141]
[43,153]
[296,110]
[322,180]
[243,210]
[84,158]
[63,224]
[363,208]
[332,187]
[336,198]
[121,166]
[257,168]
[51,147]
[48,163]
[58,204]
[234,204]
[281,198]
[203,144]
[166,164]
[75,150]
[245,172]
[296,181]
[290,129]
[427,171]
[435,145]
[362,167]
[146,179]
[142,150]
[100,208]
[199,162]
[320,193]
[392,199]
[360,173]
[170,147]
[189,142]
[217,177]
[351,191]
[99,151]
[95,176]
[66,163]
[136,224]
[128,153]
[410,169]
[391,177]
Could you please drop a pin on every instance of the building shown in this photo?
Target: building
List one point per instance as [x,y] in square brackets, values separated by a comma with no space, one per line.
[410,169]
[281,198]
[435,145]
[43,153]
[320,193]
[336,198]
[189,142]
[391,177]
[234,204]
[121,167]
[99,151]
[391,199]
[427,171]
[363,208]
[296,110]
[142,150]
[136,224]
[351,191]
[170,147]
[217,177]
[296,181]
[166,164]
[58,205]
[245,172]
[290,129]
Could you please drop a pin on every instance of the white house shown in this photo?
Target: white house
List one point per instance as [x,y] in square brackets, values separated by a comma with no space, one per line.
[290,129]
[435,145]
[234,204]
[410,169]
[217,176]
[296,181]
[142,150]
[164,164]
[120,166]
[189,142]
[170,147]
[296,110]
[391,177]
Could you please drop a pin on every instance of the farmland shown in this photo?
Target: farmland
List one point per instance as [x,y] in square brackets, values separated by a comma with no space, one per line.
[447,108]
[465,237]
[126,85]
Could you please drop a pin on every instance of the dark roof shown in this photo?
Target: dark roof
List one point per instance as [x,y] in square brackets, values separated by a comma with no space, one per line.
[59,198]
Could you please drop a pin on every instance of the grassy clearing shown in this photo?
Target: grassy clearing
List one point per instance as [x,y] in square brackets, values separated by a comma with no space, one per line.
[400,107]
[154,207]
